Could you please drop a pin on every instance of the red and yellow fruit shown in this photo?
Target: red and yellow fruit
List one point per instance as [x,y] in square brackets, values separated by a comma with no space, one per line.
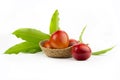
[59,40]
[47,44]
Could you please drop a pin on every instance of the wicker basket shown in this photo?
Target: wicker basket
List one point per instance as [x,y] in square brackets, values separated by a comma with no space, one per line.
[56,53]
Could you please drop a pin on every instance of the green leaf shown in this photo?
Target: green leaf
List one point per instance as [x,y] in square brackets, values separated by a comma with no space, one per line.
[26,47]
[81,35]
[102,51]
[54,24]
[31,35]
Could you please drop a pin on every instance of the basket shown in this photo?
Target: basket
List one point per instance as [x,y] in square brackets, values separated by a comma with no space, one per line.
[56,53]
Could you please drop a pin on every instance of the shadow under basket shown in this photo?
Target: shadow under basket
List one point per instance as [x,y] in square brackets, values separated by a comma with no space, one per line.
[56,53]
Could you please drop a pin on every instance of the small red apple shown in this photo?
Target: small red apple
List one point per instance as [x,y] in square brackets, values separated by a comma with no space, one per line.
[59,40]
[72,42]
[47,44]
[81,51]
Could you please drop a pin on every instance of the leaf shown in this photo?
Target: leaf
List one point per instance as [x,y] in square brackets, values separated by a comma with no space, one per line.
[54,24]
[102,51]
[26,47]
[31,35]
[81,35]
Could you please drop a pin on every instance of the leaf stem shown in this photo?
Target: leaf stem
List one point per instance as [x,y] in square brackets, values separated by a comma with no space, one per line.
[81,35]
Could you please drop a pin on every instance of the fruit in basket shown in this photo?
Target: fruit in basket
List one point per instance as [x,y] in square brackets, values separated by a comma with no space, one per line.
[47,44]
[73,42]
[59,40]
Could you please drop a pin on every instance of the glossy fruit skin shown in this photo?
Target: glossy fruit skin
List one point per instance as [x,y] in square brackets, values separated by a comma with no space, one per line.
[59,40]
[47,44]
[72,42]
[81,51]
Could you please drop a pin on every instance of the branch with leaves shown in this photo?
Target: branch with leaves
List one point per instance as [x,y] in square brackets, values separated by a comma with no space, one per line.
[32,38]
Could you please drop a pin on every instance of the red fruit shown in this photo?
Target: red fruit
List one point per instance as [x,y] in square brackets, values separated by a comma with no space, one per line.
[59,39]
[47,44]
[81,51]
[73,42]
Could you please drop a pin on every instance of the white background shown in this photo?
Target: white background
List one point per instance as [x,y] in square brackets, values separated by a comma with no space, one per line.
[103,30]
